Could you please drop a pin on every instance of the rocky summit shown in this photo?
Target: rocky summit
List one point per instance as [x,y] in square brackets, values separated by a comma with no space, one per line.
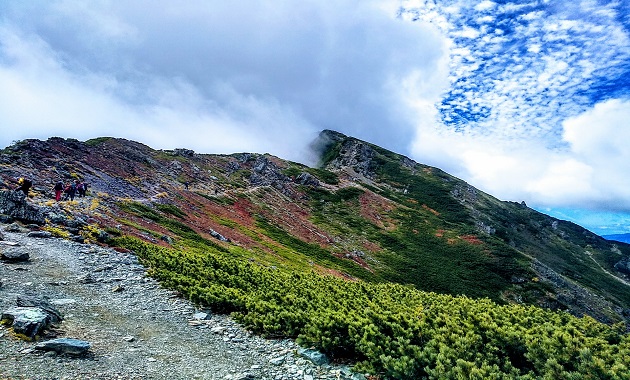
[363,214]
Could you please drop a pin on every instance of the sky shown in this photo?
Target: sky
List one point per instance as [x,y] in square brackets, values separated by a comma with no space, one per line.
[526,100]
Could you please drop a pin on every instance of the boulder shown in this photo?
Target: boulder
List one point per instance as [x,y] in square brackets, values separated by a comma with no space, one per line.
[14,227]
[15,256]
[218,236]
[64,346]
[166,239]
[27,321]
[313,355]
[14,205]
[39,234]
[307,179]
[43,304]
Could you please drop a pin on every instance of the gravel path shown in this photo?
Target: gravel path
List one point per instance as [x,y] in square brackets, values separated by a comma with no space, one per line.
[137,329]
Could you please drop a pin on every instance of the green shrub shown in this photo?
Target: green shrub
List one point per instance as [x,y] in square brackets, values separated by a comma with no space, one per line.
[395,331]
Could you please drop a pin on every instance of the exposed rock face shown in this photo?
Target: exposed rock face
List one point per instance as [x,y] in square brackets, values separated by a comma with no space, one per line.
[266,173]
[307,180]
[356,155]
[14,204]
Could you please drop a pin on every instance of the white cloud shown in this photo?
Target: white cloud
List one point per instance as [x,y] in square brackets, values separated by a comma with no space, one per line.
[234,76]
[589,173]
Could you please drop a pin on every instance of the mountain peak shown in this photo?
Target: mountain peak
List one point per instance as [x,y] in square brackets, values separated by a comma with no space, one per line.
[365,213]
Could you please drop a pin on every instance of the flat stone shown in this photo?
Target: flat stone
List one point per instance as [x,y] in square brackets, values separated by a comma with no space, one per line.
[39,234]
[201,316]
[15,256]
[63,301]
[218,330]
[277,361]
[65,346]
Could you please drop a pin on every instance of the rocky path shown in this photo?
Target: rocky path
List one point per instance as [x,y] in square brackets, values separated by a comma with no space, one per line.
[137,330]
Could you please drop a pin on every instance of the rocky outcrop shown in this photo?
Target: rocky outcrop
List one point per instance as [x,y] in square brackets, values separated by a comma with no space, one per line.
[15,205]
[355,154]
[266,173]
[307,179]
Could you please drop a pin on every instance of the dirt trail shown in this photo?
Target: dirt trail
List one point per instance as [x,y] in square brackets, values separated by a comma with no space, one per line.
[137,329]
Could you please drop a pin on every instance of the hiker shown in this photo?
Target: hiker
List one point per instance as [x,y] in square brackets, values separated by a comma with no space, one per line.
[80,189]
[24,185]
[85,189]
[70,192]
[58,190]
[186,185]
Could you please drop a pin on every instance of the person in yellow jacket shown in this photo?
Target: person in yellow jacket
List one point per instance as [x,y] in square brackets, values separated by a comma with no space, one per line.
[24,185]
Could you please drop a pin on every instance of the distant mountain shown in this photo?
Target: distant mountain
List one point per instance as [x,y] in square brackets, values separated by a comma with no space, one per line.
[624,238]
[365,213]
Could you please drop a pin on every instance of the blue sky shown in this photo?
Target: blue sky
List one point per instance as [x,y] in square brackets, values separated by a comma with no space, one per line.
[527,100]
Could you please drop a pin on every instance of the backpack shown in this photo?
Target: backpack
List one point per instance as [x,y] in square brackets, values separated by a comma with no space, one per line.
[80,187]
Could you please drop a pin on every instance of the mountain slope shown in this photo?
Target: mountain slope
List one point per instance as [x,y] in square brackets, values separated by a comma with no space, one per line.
[366,214]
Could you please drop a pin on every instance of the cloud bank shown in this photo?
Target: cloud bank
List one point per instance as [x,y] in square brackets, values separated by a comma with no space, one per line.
[216,77]
[525,100]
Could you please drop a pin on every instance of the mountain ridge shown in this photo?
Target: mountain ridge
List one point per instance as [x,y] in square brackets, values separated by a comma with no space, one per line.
[623,238]
[365,213]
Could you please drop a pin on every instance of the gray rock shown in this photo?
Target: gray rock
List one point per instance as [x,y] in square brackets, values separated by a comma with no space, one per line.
[201,316]
[86,279]
[6,219]
[14,227]
[307,180]
[313,355]
[218,236]
[277,361]
[43,304]
[76,223]
[64,346]
[14,205]
[15,256]
[40,234]
[167,239]
[28,321]
[1,236]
